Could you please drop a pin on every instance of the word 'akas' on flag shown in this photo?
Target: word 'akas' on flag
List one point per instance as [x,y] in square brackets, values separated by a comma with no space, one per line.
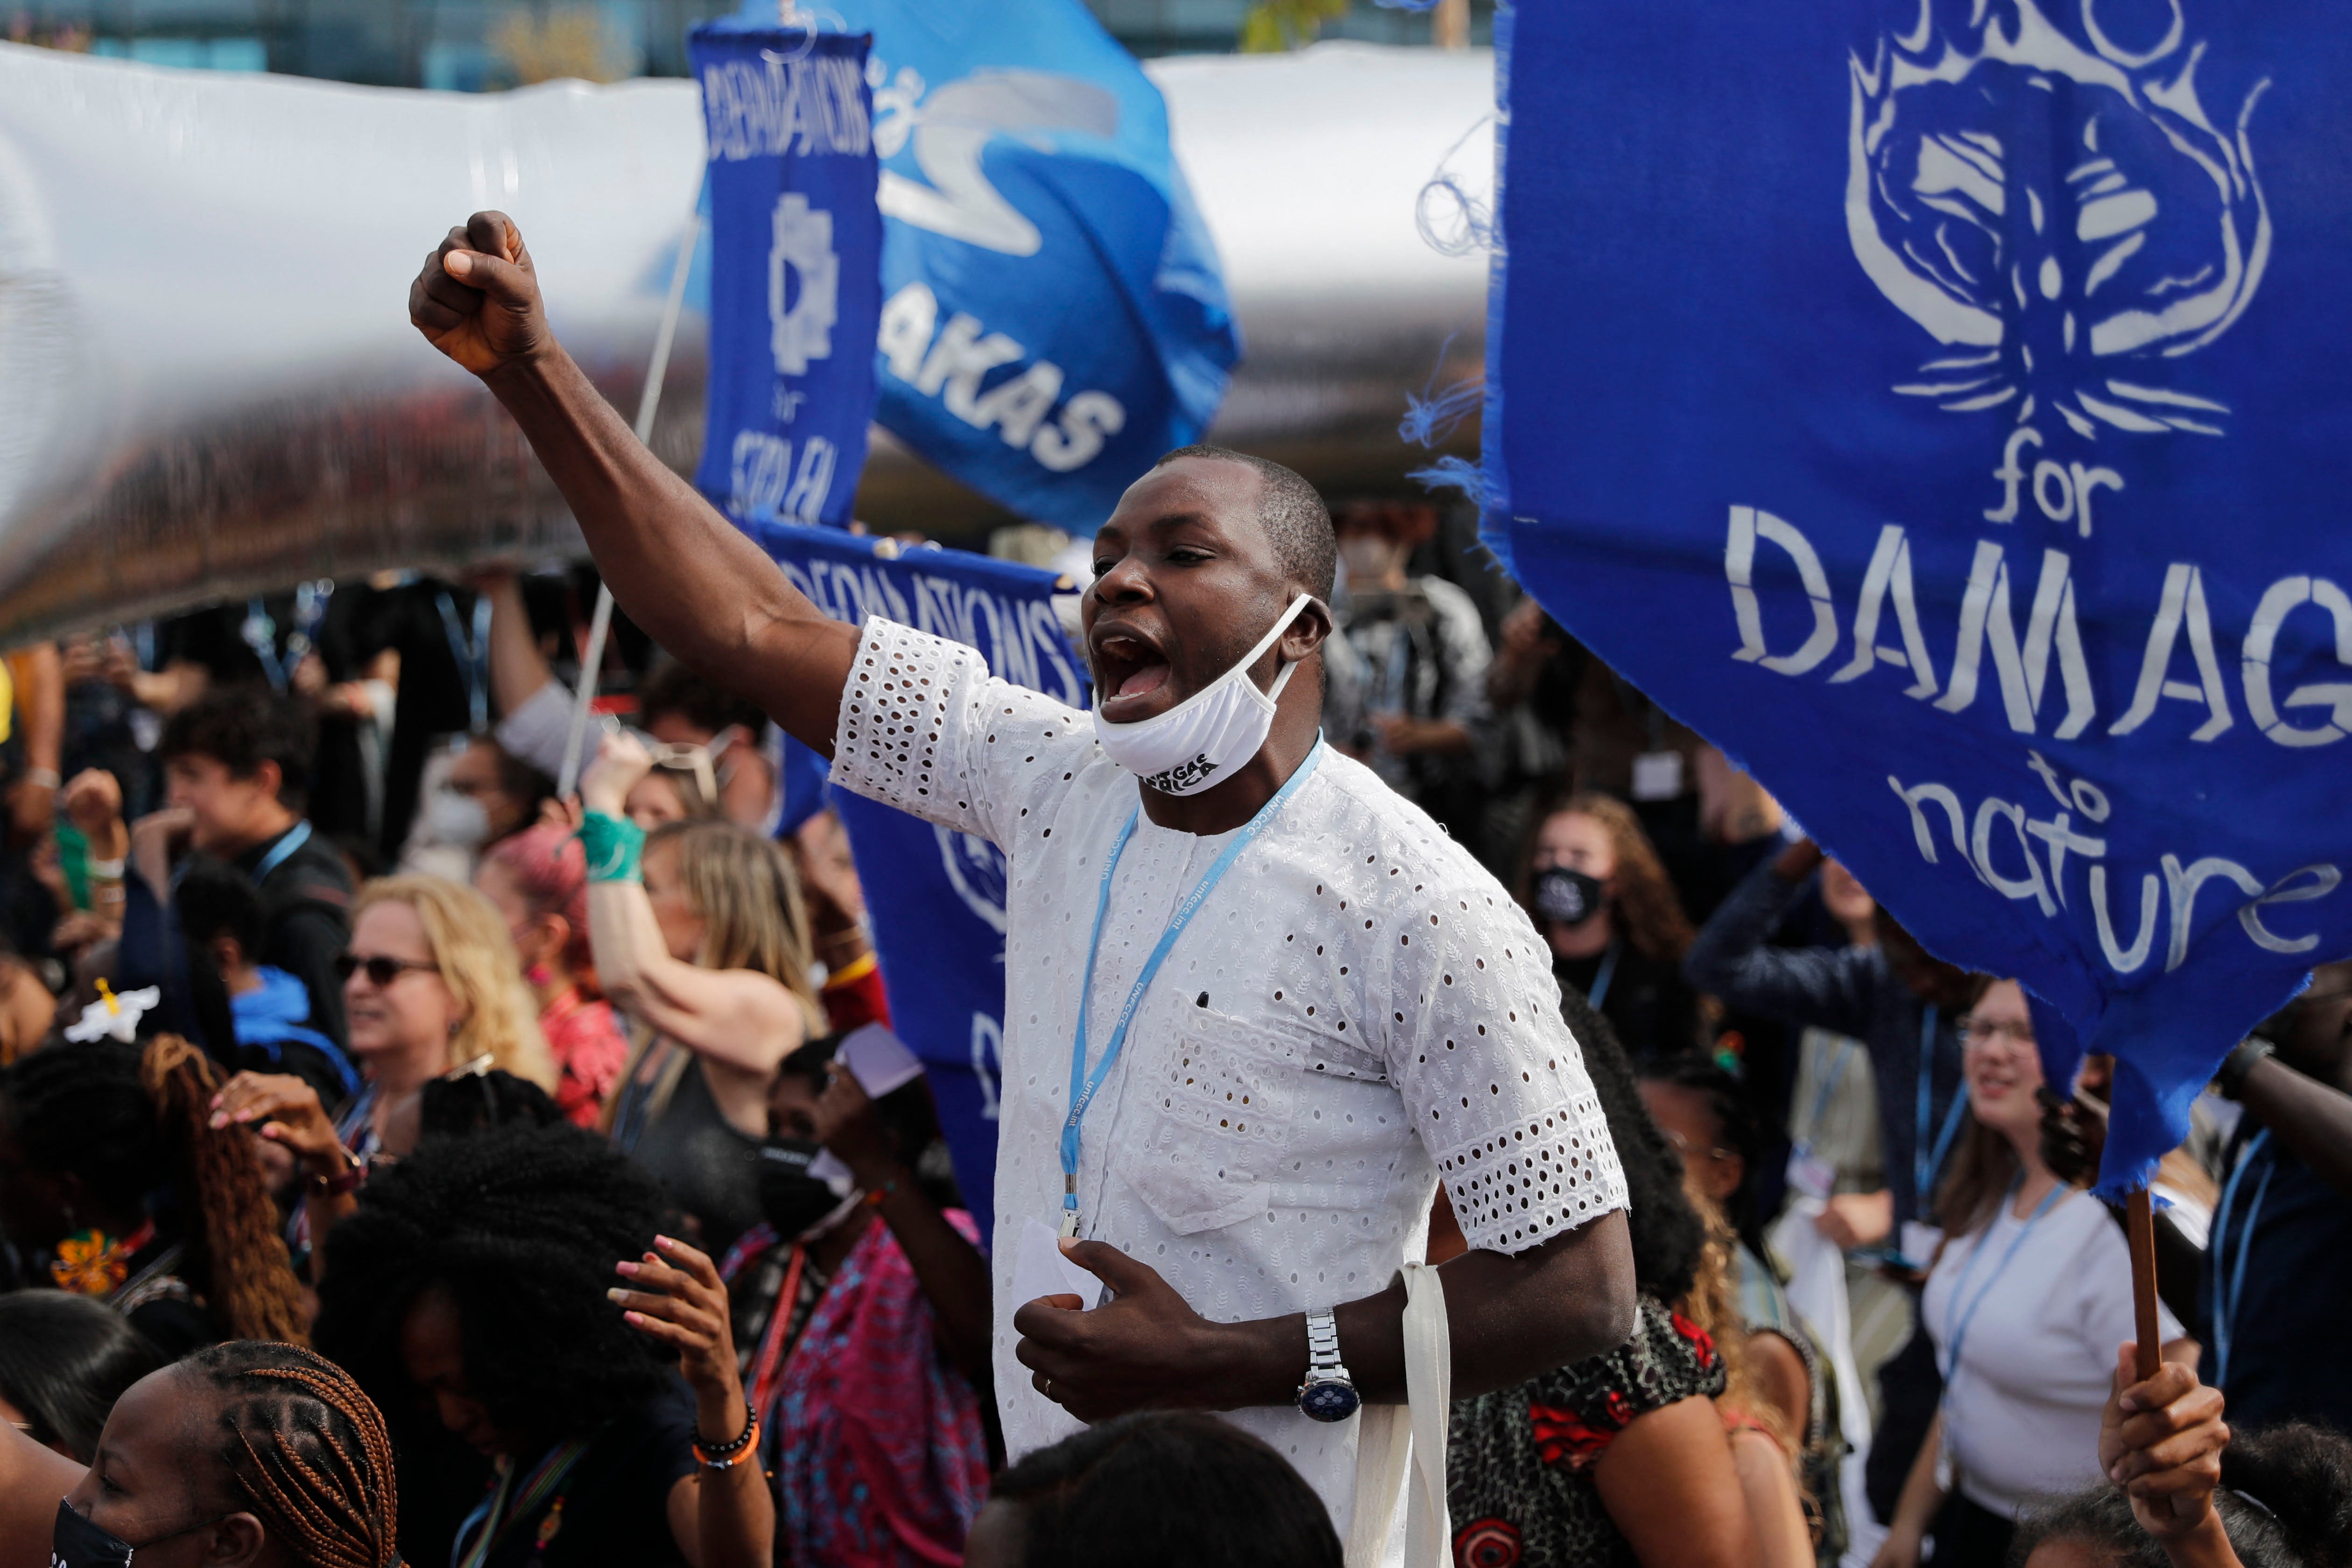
[1053,316]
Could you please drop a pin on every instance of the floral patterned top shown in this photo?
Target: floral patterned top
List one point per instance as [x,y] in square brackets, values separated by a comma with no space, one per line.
[1519,1465]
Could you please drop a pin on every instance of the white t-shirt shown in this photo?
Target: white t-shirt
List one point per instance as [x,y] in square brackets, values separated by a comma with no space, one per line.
[2021,1412]
[1356,1009]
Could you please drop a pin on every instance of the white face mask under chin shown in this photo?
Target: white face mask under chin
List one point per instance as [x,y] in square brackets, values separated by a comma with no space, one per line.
[460,820]
[1195,743]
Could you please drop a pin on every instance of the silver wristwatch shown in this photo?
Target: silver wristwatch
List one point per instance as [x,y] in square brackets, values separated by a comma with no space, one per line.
[1328,1393]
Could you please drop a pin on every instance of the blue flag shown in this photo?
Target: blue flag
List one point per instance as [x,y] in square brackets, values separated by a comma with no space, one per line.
[795,288]
[1943,405]
[937,897]
[1055,318]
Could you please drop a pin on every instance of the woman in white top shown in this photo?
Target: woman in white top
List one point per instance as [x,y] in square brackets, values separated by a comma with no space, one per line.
[2028,1300]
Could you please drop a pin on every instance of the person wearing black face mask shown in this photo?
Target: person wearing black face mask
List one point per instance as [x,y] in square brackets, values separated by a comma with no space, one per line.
[863,1314]
[1616,930]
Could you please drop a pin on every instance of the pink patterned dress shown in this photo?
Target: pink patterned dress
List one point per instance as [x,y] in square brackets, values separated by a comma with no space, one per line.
[874,1440]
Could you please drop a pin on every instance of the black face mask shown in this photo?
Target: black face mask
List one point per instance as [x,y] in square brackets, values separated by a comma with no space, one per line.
[75,1542]
[1568,896]
[790,1198]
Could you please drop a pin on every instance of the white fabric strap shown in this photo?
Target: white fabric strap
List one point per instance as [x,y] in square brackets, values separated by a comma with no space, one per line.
[1404,1447]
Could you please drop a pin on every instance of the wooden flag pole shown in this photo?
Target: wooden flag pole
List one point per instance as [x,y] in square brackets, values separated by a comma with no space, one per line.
[2140,1222]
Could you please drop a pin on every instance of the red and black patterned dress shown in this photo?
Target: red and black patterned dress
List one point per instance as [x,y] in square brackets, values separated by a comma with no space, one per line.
[1520,1465]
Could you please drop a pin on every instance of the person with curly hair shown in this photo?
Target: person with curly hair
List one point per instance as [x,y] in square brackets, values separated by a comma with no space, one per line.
[1601,896]
[245,1453]
[115,1180]
[2183,1490]
[477,1282]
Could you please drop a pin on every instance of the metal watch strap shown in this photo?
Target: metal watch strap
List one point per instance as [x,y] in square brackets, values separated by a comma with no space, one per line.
[1323,1346]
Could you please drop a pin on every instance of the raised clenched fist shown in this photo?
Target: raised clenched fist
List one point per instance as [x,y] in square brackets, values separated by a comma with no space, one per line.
[476,298]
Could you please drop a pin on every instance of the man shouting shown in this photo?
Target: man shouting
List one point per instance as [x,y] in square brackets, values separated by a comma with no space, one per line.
[1257,1005]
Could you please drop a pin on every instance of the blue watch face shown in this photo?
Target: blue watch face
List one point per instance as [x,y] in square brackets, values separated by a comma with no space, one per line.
[1332,1401]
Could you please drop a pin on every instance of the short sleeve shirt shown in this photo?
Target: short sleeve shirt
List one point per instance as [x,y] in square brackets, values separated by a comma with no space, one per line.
[1520,1464]
[1356,1011]
[2045,1303]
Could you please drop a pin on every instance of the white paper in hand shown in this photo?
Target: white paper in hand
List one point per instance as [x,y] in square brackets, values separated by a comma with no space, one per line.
[1040,1269]
[878,1059]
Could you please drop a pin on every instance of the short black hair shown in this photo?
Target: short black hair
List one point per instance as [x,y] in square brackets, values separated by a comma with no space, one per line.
[1176,1489]
[518,779]
[2286,1502]
[908,1114]
[672,688]
[64,1361]
[521,1226]
[241,728]
[214,900]
[1739,1127]
[1290,510]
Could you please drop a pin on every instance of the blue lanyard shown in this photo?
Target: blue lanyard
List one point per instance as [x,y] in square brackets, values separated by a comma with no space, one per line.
[1830,1080]
[1084,1085]
[1963,1316]
[474,662]
[1600,991]
[1925,1163]
[2230,1280]
[296,837]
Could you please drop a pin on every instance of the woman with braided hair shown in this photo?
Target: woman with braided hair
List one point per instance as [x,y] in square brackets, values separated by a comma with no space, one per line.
[115,1181]
[244,1454]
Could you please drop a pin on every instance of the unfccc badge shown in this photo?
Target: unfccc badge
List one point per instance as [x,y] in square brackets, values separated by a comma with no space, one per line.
[803,330]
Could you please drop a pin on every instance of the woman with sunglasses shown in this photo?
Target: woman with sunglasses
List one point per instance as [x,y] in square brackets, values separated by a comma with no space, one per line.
[431,988]
[2028,1298]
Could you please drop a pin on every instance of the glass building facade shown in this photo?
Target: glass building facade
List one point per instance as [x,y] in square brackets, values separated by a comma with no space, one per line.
[469,45]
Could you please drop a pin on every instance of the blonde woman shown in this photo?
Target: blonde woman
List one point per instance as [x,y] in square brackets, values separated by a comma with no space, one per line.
[431,988]
[699,937]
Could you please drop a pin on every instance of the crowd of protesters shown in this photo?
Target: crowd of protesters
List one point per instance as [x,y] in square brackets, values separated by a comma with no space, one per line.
[401,1161]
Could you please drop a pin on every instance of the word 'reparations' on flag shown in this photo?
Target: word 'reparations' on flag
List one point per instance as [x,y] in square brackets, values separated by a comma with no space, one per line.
[936,898]
[796,271]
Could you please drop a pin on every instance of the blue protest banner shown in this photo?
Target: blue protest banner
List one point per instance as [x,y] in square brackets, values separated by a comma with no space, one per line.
[1941,404]
[796,271]
[1056,318]
[937,897]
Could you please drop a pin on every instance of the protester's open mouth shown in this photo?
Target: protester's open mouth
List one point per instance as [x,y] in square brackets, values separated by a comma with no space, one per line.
[1131,670]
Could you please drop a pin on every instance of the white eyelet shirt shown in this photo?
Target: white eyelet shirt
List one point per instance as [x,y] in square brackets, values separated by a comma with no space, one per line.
[1357,1008]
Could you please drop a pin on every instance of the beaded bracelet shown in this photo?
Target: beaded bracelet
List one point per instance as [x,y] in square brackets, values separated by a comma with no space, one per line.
[727,1456]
